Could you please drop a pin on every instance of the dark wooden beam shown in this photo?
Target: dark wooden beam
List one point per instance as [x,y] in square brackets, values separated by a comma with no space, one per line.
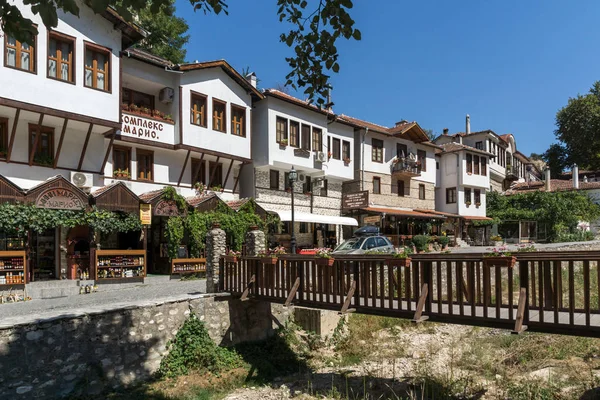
[195,172]
[214,170]
[187,157]
[37,139]
[108,150]
[12,135]
[60,142]
[227,176]
[181,115]
[85,145]
[238,178]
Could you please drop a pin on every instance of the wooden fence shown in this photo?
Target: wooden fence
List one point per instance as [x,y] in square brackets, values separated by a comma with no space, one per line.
[554,292]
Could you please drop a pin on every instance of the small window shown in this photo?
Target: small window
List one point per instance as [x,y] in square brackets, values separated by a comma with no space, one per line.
[286,181]
[97,68]
[281,132]
[19,55]
[422,158]
[476,165]
[401,188]
[198,109]
[305,137]
[484,166]
[469,164]
[219,115]
[121,161]
[61,57]
[479,145]
[145,165]
[215,175]
[198,171]
[324,188]
[422,192]
[345,150]
[303,227]
[317,143]
[477,193]
[376,185]
[44,152]
[138,99]
[467,196]
[274,179]
[450,195]
[336,149]
[401,150]
[238,121]
[377,150]
[3,137]
[294,133]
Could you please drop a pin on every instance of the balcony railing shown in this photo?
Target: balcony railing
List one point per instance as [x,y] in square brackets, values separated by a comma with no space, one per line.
[406,167]
[512,172]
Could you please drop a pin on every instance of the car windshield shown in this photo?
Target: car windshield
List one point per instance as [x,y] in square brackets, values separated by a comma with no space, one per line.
[351,244]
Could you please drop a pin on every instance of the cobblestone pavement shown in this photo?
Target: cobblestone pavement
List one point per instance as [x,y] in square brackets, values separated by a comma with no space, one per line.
[154,290]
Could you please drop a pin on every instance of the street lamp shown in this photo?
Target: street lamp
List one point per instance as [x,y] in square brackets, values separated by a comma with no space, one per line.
[293,176]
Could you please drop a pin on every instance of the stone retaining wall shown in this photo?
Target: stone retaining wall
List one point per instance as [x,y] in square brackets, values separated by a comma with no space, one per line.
[86,355]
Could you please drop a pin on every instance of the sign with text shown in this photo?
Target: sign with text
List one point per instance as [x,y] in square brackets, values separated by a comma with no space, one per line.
[373,219]
[147,129]
[146,214]
[60,199]
[166,208]
[355,200]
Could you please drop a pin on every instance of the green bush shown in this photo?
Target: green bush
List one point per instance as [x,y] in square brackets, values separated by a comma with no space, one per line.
[443,240]
[421,242]
[577,236]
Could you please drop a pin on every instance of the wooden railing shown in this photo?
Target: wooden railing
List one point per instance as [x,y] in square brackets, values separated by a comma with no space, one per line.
[555,292]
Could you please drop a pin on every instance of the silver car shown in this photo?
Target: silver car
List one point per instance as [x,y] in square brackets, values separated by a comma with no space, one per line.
[360,245]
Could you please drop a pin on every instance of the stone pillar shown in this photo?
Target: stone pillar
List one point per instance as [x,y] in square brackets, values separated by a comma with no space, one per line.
[255,241]
[216,246]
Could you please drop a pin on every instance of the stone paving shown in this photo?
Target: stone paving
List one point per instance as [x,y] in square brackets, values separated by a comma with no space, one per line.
[155,290]
[574,246]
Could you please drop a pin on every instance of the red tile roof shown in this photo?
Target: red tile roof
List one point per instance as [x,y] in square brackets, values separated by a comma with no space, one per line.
[556,185]
[149,196]
[196,200]
[237,204]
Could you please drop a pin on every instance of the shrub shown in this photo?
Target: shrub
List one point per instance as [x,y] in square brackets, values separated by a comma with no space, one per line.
[421,242]
[443,240]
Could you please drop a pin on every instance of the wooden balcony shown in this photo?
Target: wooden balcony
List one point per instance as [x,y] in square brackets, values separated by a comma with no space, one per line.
[406,168]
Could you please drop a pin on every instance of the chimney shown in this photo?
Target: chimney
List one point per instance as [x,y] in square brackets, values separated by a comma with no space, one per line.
[446,131]
[575,172]
[547,183]
[251,78]
[468,123]
[401,122]
[459,138]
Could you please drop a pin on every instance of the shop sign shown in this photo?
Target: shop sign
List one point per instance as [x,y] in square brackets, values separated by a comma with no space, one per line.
[166,208]
[141,127]
[374,219]
[355,200]
[146,214]
[302,153]
[60,199]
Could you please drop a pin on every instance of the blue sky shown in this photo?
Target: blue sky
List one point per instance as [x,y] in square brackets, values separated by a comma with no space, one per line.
[509,64]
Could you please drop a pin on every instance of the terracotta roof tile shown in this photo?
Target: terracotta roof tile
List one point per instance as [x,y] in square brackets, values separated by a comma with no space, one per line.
[402,213]
[556,185]
[149,57]
[237,204]
[196,200]
[149,196]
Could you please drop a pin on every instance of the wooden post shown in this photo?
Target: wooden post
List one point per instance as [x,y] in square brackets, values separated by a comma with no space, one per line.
[247,290]
[419,311]
[348,298]
[292,293]
[519,327]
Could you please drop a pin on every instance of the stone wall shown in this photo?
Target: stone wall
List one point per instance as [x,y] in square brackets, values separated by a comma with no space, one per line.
[86,355]
[496,185]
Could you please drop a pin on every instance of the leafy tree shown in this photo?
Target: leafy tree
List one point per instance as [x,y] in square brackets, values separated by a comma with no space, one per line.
[556,159]
[578,128]
[431,134]
[316,29]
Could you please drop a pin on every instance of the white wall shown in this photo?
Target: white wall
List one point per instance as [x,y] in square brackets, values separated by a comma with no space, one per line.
[448,174]
[337,168]
[40,90]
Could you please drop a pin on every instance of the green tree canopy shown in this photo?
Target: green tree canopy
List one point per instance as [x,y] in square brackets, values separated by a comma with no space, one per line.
[316,27]
[556,159]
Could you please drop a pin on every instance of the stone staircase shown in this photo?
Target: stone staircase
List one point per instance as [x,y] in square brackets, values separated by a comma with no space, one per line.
[52,289]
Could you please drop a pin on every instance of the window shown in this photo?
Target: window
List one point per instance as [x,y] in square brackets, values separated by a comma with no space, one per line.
[281,132]
[145,165]
[61,57]
[469,164]
[274,179]
[381,242]
[198,109]
[401,188]
[215,175]
[286,181]
[437,165]
[479,145]
[303,227]
[44,152]
[198,171]
[484,166]
[377,150]
[307,187]
[476,165]
[477,193]
[294,133]
[324,188]
[19,55]
[335,151]
[450,195]
[3,137]
[401,150]
[422,192]
[345,150]
[97,68]
[376,185]
[238,121]
[369,244]
[121,160]
[219,115]
[467,196]
[422,158]
[135,98]
[317,143]
[305,137]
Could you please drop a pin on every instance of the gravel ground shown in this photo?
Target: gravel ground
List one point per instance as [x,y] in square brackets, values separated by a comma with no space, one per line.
[154,290]
[590,245]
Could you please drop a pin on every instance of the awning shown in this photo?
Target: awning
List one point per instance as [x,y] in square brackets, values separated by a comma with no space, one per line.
[402,213]
[286,216]
[474,218]
[445,214]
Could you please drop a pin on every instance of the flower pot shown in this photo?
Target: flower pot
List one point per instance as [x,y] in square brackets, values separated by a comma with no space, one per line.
[324,261]
[231,259]
[398,262]
[268,260]
[500,261]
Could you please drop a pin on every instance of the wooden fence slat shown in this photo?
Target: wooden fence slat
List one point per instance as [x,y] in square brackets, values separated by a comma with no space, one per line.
[571,293]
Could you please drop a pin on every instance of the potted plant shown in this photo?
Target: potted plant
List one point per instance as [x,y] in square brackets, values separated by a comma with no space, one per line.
[400,258]
[216,188]
[145,110]
[283,143]
[421,243]
[347,160]
[134,108]
[443,240]
[467,203]
[323,257]
[329,154]
[497,240]
[477,204]
[121,173]
[232,256]
[125,107]
[168,118]
[200,188]
[270,256]
[499,257]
